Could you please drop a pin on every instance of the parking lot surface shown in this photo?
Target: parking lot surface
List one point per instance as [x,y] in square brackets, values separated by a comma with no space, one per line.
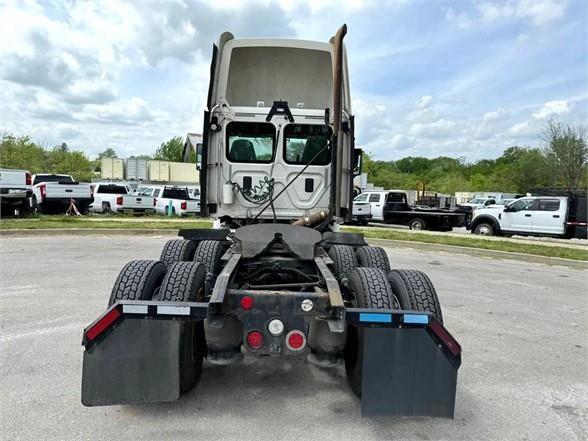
[522,327]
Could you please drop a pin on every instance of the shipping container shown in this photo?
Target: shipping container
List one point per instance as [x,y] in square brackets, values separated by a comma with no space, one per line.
[112,168]
[137,169]
[183,172]
[159,171]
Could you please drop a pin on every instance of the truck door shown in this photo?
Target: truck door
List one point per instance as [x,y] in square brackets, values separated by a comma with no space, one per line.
[518,216]
[377,203]
[549,215]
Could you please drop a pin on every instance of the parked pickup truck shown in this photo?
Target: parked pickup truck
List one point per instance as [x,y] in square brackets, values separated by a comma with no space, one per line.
[15,191]
[175,198]
[362,212]
[55,192]
[560,216]
[114,197]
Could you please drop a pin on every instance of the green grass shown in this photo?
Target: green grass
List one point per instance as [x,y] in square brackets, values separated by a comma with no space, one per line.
[473,242]
[156,222]
[121,221]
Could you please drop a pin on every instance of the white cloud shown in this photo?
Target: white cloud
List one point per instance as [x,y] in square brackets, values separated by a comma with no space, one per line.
[553,108]
[439,129]
[537,12]
[523,129]
[424,101]
[132,111]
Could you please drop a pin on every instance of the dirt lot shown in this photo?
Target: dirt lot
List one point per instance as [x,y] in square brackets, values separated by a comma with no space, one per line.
[522,326]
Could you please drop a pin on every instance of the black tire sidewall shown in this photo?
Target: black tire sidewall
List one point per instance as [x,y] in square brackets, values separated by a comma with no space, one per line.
[417,222]
[192,343]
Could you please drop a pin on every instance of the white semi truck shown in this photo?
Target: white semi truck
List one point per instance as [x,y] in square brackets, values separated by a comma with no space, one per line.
[275,277]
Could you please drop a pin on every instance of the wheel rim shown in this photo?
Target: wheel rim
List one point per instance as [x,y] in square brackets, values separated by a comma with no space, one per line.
[417,226]
[484,230]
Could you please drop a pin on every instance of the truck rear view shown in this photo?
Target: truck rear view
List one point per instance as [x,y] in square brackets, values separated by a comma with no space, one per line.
[275,277]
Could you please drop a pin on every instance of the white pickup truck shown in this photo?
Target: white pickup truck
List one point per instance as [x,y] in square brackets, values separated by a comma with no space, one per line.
[176,198]
[558,216]
[115,197]
[55,192]
[15,191]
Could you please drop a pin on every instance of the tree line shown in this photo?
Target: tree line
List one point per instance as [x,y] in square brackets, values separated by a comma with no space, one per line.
[560,162]
[20,152]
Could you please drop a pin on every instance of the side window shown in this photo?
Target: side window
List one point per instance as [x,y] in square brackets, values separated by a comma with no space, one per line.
[156,192]
[361,198]
[522,205]
[375,197]
[490,202]
[548,205]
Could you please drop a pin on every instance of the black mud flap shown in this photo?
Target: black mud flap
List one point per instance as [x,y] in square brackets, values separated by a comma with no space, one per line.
[136,362]
[410,364]
[406,373]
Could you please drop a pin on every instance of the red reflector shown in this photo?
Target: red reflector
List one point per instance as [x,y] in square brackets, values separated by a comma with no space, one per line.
[247,302]
[295,340]
[184,205]
[119,200]
[255,339]
[445,337]
[103,324]
[28,179]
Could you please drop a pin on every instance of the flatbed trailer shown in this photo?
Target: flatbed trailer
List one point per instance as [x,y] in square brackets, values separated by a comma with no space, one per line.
[397,211]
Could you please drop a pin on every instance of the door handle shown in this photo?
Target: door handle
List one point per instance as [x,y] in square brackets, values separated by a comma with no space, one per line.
[556,216]
[527,215]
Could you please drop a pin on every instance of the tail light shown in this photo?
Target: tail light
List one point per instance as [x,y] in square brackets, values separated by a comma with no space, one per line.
[92,188]
[246,302]
[255,340]
[119,200]
[28,179]
[43,190]
[184,205]
[102,324]
[295,340]
[445,337]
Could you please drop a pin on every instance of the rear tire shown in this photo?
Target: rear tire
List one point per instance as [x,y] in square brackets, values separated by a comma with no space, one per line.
[138,280]
[344,261]
[178,250]
[371,290]
[106,208]
[209,253]
[415,291]
[184,282]
[417,224]
[373,257]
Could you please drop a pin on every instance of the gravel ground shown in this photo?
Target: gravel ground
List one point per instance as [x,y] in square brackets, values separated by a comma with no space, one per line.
[522,326]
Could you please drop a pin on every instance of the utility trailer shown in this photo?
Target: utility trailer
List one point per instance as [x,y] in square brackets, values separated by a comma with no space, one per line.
[275,276]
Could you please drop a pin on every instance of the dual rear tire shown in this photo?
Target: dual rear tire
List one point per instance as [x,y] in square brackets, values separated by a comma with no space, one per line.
[178,282]
[378,287]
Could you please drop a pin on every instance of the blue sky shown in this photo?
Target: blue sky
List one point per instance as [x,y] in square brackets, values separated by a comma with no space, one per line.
[429,77]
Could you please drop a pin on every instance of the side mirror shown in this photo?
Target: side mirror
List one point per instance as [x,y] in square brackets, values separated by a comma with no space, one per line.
[507,209]
[357,155]
[199,149]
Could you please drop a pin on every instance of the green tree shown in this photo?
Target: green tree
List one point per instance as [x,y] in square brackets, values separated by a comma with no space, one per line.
[171,150]
[108,153]
[566,149]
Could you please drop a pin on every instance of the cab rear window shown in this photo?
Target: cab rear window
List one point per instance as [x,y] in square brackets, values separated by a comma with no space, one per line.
[251,142]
